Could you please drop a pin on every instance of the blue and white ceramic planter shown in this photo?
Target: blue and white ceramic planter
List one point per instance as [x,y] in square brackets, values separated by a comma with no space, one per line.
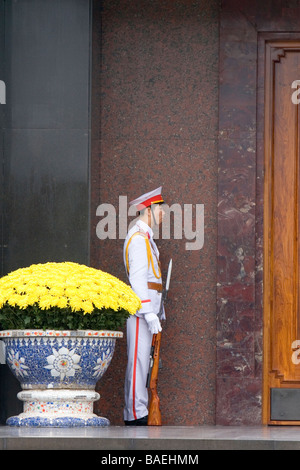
[58,372]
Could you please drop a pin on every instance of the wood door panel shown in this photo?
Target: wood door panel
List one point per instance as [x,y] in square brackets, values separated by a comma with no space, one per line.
[281,252]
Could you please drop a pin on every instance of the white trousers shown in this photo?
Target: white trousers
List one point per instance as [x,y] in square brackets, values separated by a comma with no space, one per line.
[139,340]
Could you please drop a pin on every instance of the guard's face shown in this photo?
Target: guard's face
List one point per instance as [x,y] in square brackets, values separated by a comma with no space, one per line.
[159,213]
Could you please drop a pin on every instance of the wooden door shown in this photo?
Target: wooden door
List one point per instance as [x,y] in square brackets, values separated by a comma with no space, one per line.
[281,395]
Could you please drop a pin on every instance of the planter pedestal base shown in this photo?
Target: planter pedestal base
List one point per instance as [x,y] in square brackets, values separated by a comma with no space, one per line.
[58,408]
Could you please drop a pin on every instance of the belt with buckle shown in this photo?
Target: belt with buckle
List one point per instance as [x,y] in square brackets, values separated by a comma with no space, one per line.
[155,286]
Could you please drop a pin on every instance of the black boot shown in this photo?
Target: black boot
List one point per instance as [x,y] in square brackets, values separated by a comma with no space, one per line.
[137,422]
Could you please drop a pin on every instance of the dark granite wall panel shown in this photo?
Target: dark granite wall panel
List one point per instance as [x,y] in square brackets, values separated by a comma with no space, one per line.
[154,108]
[44,141]
[45,132]
[2,118]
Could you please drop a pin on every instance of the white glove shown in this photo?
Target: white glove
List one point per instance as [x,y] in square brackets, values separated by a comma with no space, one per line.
[153,323]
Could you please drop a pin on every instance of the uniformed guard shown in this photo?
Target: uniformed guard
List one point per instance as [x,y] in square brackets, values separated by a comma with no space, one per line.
[141,259]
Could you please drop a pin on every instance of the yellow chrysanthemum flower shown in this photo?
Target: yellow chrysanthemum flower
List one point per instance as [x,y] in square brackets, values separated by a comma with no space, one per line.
[66,285]
[88,306]
[61,302]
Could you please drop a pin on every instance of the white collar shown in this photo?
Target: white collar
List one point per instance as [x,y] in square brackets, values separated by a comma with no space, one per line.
[145,227]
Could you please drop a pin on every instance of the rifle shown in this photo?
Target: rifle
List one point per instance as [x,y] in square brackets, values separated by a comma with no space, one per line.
[154,413]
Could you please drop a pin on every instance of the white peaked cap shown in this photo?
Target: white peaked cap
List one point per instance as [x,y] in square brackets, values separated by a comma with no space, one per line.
[153,197]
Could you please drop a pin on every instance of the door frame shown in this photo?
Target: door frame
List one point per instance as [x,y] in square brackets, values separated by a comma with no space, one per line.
[271,48]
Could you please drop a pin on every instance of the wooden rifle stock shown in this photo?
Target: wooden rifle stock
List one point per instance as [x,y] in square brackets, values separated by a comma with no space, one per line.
[154,414]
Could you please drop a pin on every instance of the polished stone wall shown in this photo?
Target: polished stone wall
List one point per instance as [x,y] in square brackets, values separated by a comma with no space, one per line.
[243,27]
[154,122]
[178,101]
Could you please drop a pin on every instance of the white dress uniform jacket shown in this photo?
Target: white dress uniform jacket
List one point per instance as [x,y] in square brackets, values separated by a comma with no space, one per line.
[142,266]
[141,259]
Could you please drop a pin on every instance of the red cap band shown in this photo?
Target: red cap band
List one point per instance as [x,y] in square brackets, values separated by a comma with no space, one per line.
[148,202]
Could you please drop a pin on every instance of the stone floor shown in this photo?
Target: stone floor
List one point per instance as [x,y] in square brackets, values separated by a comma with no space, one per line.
[120,438]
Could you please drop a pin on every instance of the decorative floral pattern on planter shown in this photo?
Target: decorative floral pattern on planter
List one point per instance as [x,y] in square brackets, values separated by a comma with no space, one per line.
[102,364]
[17,363]
[59,361]
[63,363]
